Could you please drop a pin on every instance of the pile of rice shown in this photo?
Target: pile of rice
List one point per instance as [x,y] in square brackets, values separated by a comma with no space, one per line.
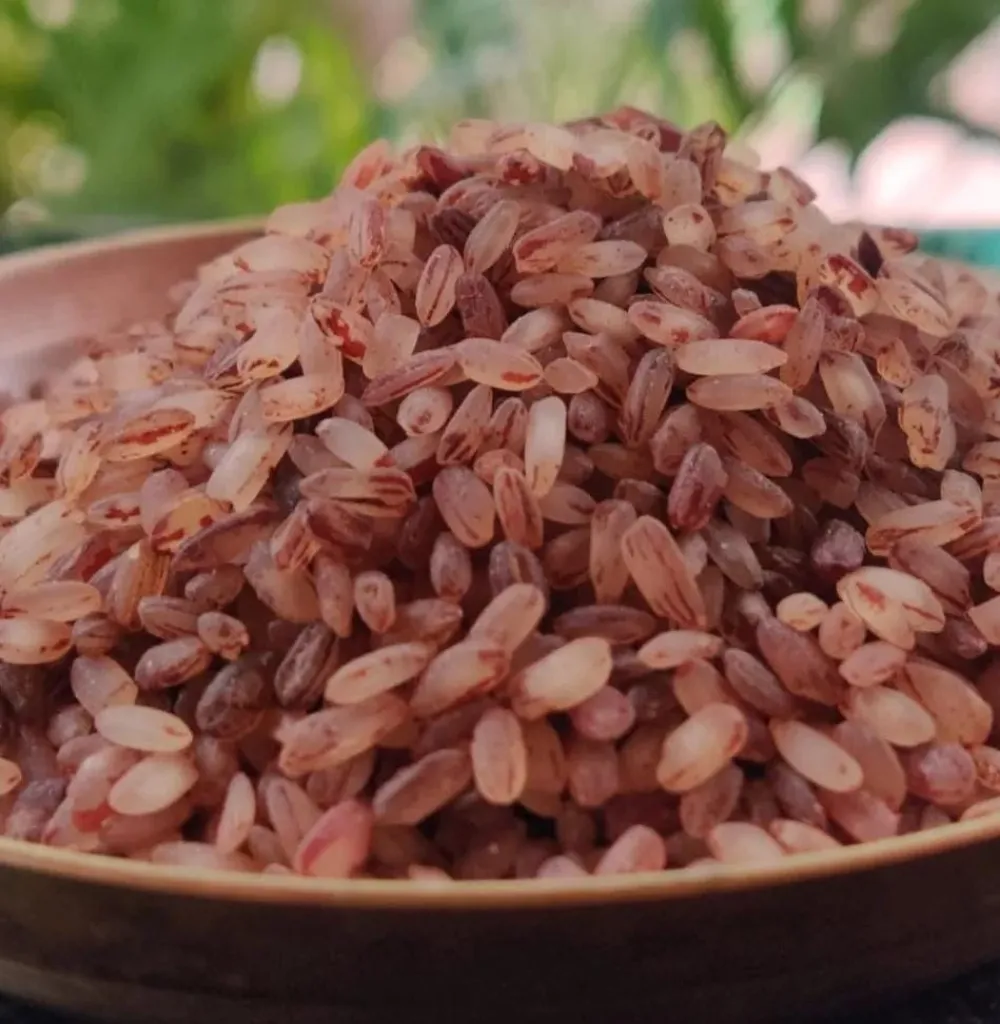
[570,500]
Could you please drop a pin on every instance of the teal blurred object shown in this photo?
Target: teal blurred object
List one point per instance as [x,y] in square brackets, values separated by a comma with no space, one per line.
[980,247]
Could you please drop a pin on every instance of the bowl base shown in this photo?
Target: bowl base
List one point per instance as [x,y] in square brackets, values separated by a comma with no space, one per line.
[116,1002]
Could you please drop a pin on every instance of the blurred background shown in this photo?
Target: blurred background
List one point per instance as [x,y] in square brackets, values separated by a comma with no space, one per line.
[122,112]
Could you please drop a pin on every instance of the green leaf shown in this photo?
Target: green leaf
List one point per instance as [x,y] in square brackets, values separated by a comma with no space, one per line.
[789,15]
[712,17]
[649,54]
[863,93]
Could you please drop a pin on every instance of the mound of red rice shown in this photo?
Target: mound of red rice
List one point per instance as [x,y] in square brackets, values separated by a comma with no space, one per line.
[570,500]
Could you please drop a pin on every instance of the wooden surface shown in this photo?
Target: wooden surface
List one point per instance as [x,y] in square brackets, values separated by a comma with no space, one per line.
[130,941]
[973,999]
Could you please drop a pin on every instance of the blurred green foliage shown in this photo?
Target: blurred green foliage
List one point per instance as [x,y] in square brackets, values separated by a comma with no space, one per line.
[127,110]
[155,96]
[855,65]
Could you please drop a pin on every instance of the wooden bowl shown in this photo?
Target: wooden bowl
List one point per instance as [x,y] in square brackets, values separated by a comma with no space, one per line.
[124,940]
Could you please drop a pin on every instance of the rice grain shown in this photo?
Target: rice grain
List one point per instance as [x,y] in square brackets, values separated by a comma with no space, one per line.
[400,540]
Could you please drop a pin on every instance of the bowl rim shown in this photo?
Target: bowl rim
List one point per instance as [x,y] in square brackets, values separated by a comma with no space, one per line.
[54,253]
[402,894]
[508,894]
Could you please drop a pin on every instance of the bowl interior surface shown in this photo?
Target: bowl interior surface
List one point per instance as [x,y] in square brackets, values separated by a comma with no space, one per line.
[53,299]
